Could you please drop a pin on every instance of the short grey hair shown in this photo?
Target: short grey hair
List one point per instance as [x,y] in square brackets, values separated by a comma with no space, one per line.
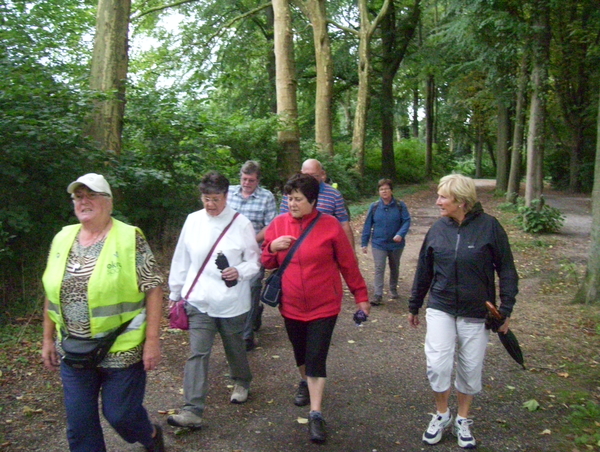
[251,167]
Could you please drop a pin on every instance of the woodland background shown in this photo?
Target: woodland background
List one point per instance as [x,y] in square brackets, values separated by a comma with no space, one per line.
[152,95]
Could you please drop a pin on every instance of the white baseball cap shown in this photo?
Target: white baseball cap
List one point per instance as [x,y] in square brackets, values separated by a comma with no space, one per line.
[93,181]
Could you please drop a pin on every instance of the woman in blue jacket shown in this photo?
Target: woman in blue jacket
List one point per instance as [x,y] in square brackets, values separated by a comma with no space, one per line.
[387,224]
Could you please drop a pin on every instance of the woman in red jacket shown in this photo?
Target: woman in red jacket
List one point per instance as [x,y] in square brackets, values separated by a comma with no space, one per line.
[312,287]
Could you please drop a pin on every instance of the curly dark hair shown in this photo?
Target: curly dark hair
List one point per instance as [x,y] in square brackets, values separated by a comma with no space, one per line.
[305,184]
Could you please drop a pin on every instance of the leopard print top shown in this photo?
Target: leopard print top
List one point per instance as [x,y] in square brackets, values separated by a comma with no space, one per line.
[73,294]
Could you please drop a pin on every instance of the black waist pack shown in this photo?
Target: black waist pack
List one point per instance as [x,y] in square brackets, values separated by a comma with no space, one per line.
[84,353]
[271,292]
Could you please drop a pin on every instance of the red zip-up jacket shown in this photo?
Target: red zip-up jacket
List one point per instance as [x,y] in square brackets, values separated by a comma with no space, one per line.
[312,286]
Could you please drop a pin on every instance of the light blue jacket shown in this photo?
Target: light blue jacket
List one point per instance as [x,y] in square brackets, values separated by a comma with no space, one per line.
[384,222]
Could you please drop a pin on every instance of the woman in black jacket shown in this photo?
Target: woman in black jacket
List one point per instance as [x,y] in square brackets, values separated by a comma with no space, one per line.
[458,261]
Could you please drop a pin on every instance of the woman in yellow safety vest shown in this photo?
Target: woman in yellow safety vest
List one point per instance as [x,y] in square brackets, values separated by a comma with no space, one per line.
[102,278]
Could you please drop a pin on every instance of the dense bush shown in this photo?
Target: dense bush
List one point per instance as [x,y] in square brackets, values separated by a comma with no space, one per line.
[539,217]
[42,152]
[410,157]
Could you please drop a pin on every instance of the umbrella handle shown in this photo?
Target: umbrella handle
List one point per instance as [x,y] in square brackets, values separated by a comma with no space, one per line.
[493,310]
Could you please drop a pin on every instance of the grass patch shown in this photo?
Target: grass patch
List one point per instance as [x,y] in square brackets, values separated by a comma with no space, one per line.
[584,424]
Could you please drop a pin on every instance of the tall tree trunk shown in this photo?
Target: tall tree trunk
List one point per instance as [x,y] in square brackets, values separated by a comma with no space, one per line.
[537,117]
[415,111]
[364,68]
[429,121]
[271,65]
[479,152]
[315,10]
[395,40]
[109,73]
[589,291]
[289,158]
[388,162]
[514,179]
[572,73]
[502,145]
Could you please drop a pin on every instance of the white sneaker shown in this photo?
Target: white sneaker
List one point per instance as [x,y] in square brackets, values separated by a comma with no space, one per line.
[239,394]
[462,431]
[186,419]
[436,428]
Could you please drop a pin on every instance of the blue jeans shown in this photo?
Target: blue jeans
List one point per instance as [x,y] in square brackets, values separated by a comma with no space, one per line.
[122,399]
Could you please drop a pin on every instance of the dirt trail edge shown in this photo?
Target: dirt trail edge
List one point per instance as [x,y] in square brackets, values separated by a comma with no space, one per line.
[377,396]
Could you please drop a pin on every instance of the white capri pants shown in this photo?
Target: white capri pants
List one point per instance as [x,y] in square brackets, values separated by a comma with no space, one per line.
[443,330]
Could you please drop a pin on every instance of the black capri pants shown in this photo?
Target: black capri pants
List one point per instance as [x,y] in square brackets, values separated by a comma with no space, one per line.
[311,341]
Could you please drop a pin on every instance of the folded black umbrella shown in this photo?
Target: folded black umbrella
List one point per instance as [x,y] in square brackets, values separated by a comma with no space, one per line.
[494,321]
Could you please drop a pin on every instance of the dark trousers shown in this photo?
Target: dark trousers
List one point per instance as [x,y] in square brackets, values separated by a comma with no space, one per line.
[311,341]
[255,289]
[122,405]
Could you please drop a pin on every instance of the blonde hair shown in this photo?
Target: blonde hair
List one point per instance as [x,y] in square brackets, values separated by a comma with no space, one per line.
[459,187]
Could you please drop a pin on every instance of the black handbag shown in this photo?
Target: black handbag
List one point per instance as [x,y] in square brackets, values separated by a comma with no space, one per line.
[271,292]
[88,353]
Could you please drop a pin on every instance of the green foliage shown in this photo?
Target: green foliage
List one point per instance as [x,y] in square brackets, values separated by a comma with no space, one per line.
[539,217]
[341,170]
[410,156]
[466,166]
[42,152]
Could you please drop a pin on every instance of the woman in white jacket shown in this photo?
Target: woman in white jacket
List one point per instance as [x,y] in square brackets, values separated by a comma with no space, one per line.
[219,301]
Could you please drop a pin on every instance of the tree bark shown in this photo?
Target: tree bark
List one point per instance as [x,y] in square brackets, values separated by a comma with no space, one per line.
[589,291]
[429,121]
[502,145]
[514,179]
[315,10]
[478,152]
[395,40]
[537,116]
[271,65]
[109,73]
[415,111]
[289,159]
[364,68]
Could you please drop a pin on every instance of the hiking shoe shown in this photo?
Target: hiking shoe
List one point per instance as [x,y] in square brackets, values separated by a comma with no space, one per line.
[394,296]
[158,442]
[302,397]
[462,431]
[316,427]
[250,345]
[376,300]
[436,428]
[186,419]
[239,394]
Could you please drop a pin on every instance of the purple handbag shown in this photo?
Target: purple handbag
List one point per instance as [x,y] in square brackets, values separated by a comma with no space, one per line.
[178,318]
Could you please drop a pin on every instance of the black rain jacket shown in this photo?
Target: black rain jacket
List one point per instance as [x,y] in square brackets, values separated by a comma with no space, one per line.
[457,265]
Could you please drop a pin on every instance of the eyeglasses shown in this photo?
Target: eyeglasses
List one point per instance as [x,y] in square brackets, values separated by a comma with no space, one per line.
[214,200]
[92,196]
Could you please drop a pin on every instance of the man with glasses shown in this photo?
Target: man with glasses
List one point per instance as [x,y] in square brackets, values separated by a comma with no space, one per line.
[258,205]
